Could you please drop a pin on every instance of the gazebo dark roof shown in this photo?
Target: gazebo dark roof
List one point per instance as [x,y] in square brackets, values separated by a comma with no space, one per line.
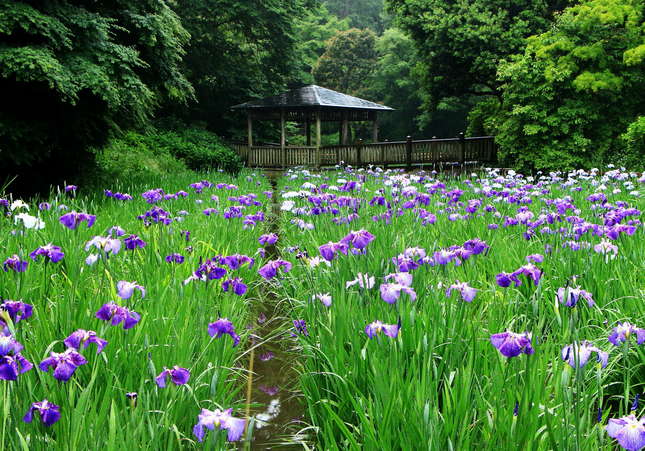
[311,96]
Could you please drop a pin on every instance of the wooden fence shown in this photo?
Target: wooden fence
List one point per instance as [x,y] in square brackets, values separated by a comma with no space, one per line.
[480,150]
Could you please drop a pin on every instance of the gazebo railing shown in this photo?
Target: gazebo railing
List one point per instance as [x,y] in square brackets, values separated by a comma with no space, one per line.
[461,150]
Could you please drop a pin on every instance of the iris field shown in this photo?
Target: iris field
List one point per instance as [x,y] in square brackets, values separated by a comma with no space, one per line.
[426,311]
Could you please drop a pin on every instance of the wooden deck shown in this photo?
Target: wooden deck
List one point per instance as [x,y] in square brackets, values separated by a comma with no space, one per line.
[479,150]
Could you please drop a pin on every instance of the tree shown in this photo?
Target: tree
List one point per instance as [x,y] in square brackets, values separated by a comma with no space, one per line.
[347,62]
[462,43]
[395,83]
[576,89]
[239,50]
[71,72]
[312,33]
[361,13]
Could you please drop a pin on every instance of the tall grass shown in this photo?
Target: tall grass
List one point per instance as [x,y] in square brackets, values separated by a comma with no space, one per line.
[441,384]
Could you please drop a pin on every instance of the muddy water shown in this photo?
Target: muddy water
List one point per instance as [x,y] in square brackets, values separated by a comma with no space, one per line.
[276,405]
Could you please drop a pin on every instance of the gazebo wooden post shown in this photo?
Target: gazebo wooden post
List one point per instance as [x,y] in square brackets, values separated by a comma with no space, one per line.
[375,128]
[249,126]
[344,129]
[283,148]
[308,131]
[318,141]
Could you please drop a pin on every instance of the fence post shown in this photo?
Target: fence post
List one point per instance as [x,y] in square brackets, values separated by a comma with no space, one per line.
[408,152]
[462,148]
[358,152]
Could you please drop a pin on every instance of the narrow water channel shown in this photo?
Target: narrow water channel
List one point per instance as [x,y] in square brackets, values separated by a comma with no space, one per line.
[276,408]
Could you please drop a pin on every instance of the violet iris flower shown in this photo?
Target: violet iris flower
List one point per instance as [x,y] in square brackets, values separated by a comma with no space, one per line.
[15,264]
[328,251]
[270,270]
[621,333]
[211,419]
[404,278]
[178,375]
[376,327]
[9,345]
[363,280]
[570,296]
[53,253]
[223,327]
[175,258]
[49,413]
[73,219]
[83,338]
[239,287]
[236,261]
[133,242]
[301,327]
[579,355]
[13,365]
[64,363]
[535,258]
[358,239]
[391,292]
[267,356]
[16,310]
[44,206]
[467,292]
[268,238]
[126,289]
[628,431]
[117,314]
[511,344]
[71,188]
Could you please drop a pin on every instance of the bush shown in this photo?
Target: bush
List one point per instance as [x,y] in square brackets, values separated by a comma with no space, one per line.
[199,149]
[131,157]
[634,142]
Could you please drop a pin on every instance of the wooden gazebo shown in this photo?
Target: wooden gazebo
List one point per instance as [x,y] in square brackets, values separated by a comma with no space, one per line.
[311,105]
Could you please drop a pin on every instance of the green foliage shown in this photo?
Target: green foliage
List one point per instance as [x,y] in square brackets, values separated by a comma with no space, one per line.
[575,90]
[631,155]
[312,33]
[238,50]
[71,75]
[133,157]
[462,43]
[347,62]
[361,13]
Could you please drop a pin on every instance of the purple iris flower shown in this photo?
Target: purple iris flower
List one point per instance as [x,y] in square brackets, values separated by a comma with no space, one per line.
[535,258]
[404,278]
[44,206]
[267,356]
[628,431]
[579,354]
[71,188]
[73,219]
[49,413]
[106,244]
[505,279]
[301,327]
[64,363]
[83,338]
[271,391]
[175,258]
[126,289]
[16,310]
[391,292]
[270,270]
[133,241]
[9,345]
[239,287]
[211,419]
[531,271]
[510,344]
[236,261]
[328,251]
[467,292]
[223,327]
[13,365]
[376,327]
[358,239]
[570,296]
[15,264]
[364,281]
[623,331]
[117,314]
[178,375]
[115,231]
[324,298]
[53,253]
[268,238]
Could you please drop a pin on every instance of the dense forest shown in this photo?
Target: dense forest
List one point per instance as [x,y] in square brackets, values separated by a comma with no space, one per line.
[559,82]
